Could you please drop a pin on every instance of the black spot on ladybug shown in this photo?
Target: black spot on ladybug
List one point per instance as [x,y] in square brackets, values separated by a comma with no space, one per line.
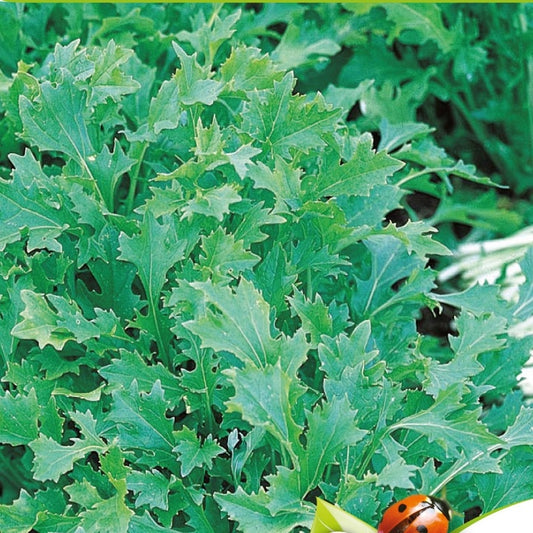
[402,507]
[422,529]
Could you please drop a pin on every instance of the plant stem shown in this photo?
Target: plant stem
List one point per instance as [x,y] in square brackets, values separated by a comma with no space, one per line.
[413,175]
[458,468]
[215,13]
[163,350]
[309,291]
[480,132]
[138,153]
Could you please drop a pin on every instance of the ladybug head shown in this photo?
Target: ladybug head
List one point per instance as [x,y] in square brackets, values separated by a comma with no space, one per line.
[441,505]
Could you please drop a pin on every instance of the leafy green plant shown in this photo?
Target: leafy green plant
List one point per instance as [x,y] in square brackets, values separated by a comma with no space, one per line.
[208,316]
[465,69]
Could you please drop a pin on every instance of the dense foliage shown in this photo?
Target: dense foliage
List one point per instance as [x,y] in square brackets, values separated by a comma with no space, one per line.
[218,279]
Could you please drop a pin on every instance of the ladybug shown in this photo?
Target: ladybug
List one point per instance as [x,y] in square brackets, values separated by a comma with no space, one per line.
[416,514]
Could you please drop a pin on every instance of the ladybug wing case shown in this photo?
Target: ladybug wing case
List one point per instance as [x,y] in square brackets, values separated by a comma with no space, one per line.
[416,514]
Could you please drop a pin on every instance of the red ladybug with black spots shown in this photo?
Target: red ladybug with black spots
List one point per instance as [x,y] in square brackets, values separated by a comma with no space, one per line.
[416,514]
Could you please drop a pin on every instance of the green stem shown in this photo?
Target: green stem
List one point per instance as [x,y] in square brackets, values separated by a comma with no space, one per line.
[413,175]
[479,130]
[154,313]
[215,13]
[367,457]
[138,154]
[163,350]
[309,291]
[456,469]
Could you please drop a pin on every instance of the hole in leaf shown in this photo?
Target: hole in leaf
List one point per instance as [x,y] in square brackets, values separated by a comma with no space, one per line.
[399,217]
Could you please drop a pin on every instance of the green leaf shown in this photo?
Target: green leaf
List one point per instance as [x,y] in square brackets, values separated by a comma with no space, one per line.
[285,492]
[314,315]
[165,109]
[18,418]
[284,123]
[113,465]
[51,423]
[501,379]
[453,428]
[468,61]
[238,322]
[120,371]
[332,428]
[146,524]
[396,135]
[52,459]
[390,264]
[69,318]
[473,300]
[140,419]
[520,433]
[152,488]
[83,493]
[524,306]
[21,515]
[426,153]
[425,20]
[398,103]
[10,39]
[364,212]
[254,219]
[194,85]
[337,354]
[213,202]
[209,142]
[476,335]
[241,159]
[397,474]
[194,453]
[358,176]
[275,277]
[11,305]
[264,397]
[305,256]
[40,322]
[223,257]
[114,278]
[73,59]
[204,383]
[25,207]
[209,36]
[53,320]
[107,168]
[110,515]
[500,490]
[108,80]
[57,121]
[303,44]
[417,237]
[346,97]
[252,514]
[247,70]
[153,251]
[131,23]
[283,181]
